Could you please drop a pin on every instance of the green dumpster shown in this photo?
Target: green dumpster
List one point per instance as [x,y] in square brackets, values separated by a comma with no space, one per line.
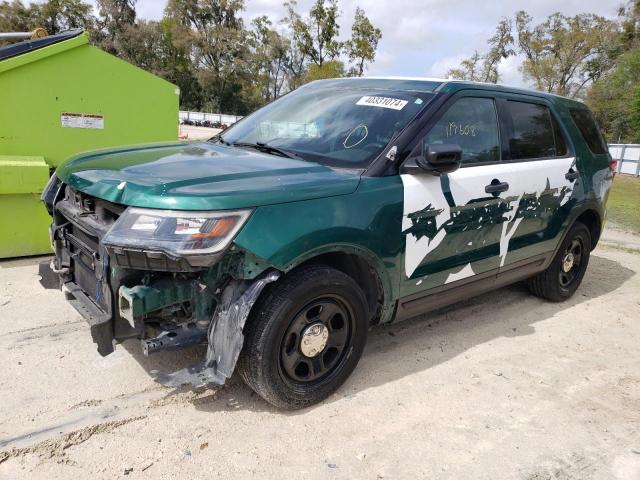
[60,96]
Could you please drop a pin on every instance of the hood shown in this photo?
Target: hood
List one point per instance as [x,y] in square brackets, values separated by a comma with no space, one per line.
[201,176]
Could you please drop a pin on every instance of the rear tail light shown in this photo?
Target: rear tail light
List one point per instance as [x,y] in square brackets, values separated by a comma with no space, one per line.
[613,165]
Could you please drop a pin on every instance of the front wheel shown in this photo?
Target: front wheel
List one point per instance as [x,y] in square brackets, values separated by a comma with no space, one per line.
[563,276]
[304,337]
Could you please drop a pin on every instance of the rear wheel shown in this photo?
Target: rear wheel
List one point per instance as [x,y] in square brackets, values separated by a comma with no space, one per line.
[304,337]
[563,276]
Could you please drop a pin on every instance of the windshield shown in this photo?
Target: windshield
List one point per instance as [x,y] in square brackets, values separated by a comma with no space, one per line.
[346,127]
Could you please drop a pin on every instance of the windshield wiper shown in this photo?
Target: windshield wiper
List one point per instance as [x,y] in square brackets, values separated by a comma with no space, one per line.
[263,147]
[218,138]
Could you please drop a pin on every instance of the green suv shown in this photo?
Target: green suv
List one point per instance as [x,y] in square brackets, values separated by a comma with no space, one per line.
[344,204]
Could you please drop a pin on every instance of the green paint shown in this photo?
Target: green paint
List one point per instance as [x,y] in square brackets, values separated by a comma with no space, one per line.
[201,176]
[69,76]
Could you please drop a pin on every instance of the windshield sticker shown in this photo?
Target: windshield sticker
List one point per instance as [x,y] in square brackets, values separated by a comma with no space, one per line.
[383,102]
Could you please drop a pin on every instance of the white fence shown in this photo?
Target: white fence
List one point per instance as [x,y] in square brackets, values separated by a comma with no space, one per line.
[628,157]
[201,117]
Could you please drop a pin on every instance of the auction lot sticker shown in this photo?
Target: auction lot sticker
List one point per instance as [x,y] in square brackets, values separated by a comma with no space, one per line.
[383,102]
[81,120]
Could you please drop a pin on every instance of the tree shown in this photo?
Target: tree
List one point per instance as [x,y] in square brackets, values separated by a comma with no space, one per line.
[268,57]
[363,44]
[484,68]
[59,15]
[329,69]
[213,32]
[469,69]
[116,16]
[612,99]
[500,44]
[296,56]
[320,33]
[203,46]
[564,54]
[16,17]
[635,115]
[53,15]
[630,25]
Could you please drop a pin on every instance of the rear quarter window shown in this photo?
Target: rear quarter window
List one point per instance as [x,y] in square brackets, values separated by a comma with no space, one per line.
[589,130]
[535,132]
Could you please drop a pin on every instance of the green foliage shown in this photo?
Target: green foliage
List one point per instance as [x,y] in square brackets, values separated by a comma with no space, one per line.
[622,206]
[484,68]
[329,69]
[54,16]
[635,115]
[585,56]
[563,54]
[205,48]
[612,98]
[361,49]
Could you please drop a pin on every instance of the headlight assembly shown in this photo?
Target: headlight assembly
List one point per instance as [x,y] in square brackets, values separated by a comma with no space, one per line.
[175,232]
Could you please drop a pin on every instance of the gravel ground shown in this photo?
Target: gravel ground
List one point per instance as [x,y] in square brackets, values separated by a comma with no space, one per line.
[505,386]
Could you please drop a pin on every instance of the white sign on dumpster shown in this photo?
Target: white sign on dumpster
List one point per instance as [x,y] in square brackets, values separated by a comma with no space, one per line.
[81,120]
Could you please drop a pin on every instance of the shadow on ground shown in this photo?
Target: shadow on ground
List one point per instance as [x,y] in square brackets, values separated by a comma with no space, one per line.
[395,351]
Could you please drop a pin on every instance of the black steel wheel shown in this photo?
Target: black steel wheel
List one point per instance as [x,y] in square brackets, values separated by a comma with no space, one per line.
[316,340]
[563,276]
[571,262]
[304,336]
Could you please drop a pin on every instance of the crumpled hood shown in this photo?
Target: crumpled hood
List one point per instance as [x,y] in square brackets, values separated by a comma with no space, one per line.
[200,176]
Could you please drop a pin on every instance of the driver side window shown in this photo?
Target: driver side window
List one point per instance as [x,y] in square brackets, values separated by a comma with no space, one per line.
[472,124]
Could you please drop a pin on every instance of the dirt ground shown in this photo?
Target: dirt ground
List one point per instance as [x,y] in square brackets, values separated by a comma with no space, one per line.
[505,386]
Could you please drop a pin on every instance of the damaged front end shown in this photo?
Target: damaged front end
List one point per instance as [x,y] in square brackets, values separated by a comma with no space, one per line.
[171,279]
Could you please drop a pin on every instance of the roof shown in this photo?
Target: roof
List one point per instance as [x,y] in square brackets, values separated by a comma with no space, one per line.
[26,46]
[427,84]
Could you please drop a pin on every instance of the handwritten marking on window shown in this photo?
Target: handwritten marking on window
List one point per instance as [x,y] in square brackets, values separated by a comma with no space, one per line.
[462,129]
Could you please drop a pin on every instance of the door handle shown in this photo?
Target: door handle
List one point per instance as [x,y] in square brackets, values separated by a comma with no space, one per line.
[571,175]
[496,187]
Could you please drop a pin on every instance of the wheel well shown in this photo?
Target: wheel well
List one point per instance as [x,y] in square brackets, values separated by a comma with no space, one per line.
[362,272]
[591,219]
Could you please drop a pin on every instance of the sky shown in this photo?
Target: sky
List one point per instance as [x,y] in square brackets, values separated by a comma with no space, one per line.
[427,37]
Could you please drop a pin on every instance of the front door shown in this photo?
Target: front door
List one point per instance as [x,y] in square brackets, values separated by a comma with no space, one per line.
[448,220]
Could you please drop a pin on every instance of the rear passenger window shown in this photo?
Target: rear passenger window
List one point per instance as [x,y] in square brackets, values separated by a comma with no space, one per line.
[589,130]
[472,124]
[535,133]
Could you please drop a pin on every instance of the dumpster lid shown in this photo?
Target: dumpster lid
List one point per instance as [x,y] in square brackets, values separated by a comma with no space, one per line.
[26,46]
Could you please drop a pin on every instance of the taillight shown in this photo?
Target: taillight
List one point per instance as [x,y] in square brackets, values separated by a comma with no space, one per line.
[613,165]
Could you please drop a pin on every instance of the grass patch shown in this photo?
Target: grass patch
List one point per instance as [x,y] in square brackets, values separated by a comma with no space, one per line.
[624,202]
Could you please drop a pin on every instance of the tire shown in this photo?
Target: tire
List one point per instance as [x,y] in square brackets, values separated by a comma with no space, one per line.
[299,308]
[555,283]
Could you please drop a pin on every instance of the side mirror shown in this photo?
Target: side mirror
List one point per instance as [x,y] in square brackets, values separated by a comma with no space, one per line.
[439,159]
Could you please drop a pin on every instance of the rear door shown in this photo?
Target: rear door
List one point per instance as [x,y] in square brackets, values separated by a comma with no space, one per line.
[541,171]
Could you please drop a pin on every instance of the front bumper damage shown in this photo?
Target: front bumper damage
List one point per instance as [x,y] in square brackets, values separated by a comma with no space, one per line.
[164,302]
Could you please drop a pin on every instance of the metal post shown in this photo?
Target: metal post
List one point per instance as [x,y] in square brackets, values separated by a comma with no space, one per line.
[37,33]
[15,35]
[622,152]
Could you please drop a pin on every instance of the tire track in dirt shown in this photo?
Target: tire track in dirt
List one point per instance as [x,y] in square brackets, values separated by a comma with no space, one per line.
[56,448]
[80,421]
